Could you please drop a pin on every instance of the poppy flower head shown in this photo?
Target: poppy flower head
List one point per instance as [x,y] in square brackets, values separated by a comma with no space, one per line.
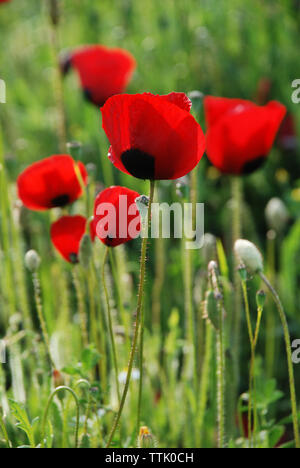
[240,134]
[51,182]
[152,136]
[116,216]
[103,72]
[66,235]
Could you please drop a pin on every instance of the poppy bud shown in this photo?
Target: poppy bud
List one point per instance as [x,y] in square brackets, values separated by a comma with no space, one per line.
[85,250]
[261,298]
[249,255]
[54,12]
[32,260]
[276,214]
[146,439]
[58,379]
[211,309]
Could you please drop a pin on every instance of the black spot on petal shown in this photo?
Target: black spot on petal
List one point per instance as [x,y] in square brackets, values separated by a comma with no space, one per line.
[60,201]
[139,164]
[253,165]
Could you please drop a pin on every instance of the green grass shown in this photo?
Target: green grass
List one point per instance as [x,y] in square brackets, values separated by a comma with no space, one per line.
[219,47]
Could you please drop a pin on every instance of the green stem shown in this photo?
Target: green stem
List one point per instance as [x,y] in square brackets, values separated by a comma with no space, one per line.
[203,393]
[81,305]
[236,187]
[88,409]
[289,356]
[137,322]
[57,390]
[250,332]
[39,308]
[110,325]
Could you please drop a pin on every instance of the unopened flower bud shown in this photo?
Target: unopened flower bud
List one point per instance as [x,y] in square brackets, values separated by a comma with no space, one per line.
[85,250]
[58,379]
[248,254]
[32,260]
[276,214]
[145,438]
[261,299]
[197,100]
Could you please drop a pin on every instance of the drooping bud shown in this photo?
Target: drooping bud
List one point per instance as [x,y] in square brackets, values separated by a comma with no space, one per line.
[32,260]
[58,379]
[142,204]
[261,298]
[276,214]
[85,251]
[248,254]
[145,438]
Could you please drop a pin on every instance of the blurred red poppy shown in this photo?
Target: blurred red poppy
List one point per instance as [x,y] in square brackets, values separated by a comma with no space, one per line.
[4,1]
[151,136]
[103,72]
[66,234]
[240,134]
[51,182]
[116,216]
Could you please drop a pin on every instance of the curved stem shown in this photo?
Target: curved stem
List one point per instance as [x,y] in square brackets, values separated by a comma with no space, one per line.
[289,356]
[110,324]
[137,322]
[87,414]
[57,390]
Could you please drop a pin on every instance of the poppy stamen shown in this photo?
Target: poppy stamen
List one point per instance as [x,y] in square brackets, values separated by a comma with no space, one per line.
[252,166]
[60,201]
[73,257]
[139,164]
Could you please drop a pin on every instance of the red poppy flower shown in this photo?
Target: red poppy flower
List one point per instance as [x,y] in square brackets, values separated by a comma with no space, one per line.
[151,136]
[102,72]
[116,216]
[51,182]
[4,1]
[66,234]
[240,134]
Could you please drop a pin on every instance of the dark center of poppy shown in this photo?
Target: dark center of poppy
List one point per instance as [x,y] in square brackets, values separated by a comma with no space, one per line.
[139,164]
[253,165]
[73,257]
[89,97]
[61,200]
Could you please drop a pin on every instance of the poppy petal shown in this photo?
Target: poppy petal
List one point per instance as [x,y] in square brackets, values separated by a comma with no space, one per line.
[151,136]
[51,182]
[103,72]
[116,216]
[66,234]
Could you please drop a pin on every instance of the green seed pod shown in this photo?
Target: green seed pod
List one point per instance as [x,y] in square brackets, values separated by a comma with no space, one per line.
[145,438]
[276,214]
[85,251]
[261,299]
[32,260]
[248,254]
[211,311]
